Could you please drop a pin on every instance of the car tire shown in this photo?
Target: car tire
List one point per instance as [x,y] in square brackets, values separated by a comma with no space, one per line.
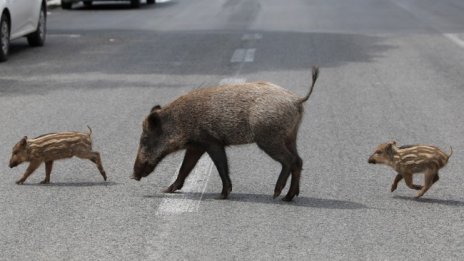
[66,5]
[87,3]
[151,2]
[4,38]
[37,38]
[135,3]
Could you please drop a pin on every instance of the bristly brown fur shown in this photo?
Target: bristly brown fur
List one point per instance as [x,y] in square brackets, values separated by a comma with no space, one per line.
[411,159]
[206,120]
[53,146]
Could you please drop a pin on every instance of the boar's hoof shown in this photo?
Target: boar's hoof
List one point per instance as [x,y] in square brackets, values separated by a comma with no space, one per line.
[393,188]
[222,196]
[276,194]
[225,193]
[288,198]
[45,181]
[20,182]
[170,189]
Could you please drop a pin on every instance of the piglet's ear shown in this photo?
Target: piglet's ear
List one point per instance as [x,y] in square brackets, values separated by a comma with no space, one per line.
[389,150]
[155,108]
[154,121]
[23,141]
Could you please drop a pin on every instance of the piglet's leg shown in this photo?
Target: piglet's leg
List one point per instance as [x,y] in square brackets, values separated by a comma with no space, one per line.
[48,171]
[408,180]
[428,182]
[95,158]
[397,179]
[33,165]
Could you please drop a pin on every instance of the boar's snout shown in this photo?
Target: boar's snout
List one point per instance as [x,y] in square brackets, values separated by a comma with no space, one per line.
[142,169]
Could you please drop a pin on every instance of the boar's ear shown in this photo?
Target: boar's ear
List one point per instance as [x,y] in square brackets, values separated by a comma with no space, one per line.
[23,141]
[154,121]
[155,108]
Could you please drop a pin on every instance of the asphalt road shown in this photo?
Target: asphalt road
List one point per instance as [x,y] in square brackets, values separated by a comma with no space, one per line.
[390,69]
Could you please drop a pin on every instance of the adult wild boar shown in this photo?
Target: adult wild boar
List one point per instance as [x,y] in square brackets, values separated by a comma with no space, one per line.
[209,119]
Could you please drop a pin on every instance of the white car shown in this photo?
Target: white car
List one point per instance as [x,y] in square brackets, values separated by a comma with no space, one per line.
[67,4]
[20,18]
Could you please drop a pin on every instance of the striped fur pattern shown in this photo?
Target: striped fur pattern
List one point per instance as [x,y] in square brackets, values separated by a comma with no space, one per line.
[412,159]
[418,158]
[53,146]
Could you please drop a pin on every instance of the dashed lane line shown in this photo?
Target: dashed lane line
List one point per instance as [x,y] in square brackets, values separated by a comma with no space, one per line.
[243,55]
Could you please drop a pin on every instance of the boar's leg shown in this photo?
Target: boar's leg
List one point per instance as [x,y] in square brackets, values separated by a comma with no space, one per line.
[48,171]
[191,157]
[296,172]
[95,158]
[280,153]
[219,157]
[33,165]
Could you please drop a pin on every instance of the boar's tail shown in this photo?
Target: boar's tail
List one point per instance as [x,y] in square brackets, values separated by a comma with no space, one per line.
[315,75]
[90,130]
[451,152]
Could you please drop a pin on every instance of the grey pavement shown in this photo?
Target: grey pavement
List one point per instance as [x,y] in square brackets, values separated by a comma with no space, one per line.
[389,70]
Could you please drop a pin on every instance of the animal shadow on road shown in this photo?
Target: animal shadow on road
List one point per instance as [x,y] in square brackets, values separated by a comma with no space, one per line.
[299,201]
[452,203]
[73,184]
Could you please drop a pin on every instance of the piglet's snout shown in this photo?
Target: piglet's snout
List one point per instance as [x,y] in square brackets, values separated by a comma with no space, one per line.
[12,164]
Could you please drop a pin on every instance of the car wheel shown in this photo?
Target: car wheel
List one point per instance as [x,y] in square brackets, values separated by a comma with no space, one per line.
[150,2]
[87,3]
[135,3]
[37,38]
[66,5]
[4,38]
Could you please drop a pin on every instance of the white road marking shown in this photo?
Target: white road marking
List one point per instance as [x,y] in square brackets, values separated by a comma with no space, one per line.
[232,81]
[256,36]
[243,55]
[189,197]
[238,56]
[64,35]
[250,55]
[456,39]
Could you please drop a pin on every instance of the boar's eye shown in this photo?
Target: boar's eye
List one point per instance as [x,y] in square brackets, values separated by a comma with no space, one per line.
[144,140]
[378,152]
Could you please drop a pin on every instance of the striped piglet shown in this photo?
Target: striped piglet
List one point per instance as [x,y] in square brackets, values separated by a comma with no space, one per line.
[409,160]
[53,146]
